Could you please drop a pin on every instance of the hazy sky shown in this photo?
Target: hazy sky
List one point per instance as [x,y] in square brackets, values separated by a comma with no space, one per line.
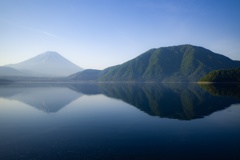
[101,33]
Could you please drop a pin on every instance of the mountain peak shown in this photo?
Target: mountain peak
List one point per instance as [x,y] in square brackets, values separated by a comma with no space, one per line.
[50,53]
[49,63]
[47,53]
[49,56]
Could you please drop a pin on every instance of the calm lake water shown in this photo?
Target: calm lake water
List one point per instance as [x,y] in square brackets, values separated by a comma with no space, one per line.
[119,121]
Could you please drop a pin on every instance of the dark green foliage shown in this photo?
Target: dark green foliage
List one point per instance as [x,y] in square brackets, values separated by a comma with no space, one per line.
[183,63]
[231,75]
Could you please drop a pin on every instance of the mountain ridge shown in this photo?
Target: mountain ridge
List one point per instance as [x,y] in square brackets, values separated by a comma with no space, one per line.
[182,63]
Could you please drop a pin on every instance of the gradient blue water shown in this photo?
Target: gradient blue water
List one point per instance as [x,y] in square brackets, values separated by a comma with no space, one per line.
[95,126]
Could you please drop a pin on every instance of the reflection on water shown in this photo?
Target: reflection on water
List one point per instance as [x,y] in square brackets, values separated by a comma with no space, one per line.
[44,97]
[178,101]
[223,89]
[119,121]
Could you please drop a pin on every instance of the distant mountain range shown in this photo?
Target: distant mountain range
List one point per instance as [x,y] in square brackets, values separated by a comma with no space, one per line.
[8,71]
[183,63]
[47,64]
[86,75]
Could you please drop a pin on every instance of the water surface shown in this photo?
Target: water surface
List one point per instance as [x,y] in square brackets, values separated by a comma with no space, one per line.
[119,121]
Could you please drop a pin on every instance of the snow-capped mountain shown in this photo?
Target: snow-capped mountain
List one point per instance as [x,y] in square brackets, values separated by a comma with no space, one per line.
[47,64]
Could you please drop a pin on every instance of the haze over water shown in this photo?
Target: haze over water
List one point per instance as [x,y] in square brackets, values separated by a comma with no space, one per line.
[119,121]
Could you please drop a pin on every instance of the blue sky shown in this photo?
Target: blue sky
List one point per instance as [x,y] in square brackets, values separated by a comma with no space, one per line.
[101,33]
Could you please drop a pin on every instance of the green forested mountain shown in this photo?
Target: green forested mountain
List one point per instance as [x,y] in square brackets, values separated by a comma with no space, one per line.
[183,63]
[230,75]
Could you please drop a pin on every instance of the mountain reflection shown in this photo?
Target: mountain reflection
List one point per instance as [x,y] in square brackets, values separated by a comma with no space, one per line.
[177,101]
[223,89]
[49,98]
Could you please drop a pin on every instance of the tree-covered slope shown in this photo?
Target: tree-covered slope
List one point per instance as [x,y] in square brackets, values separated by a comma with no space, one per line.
[230,75]
[177,63]
[183,63]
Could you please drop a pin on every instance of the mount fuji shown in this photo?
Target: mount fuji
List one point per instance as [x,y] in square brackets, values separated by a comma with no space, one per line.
[47,64]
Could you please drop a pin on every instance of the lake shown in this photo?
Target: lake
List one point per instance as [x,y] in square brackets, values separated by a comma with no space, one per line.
[71,121]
